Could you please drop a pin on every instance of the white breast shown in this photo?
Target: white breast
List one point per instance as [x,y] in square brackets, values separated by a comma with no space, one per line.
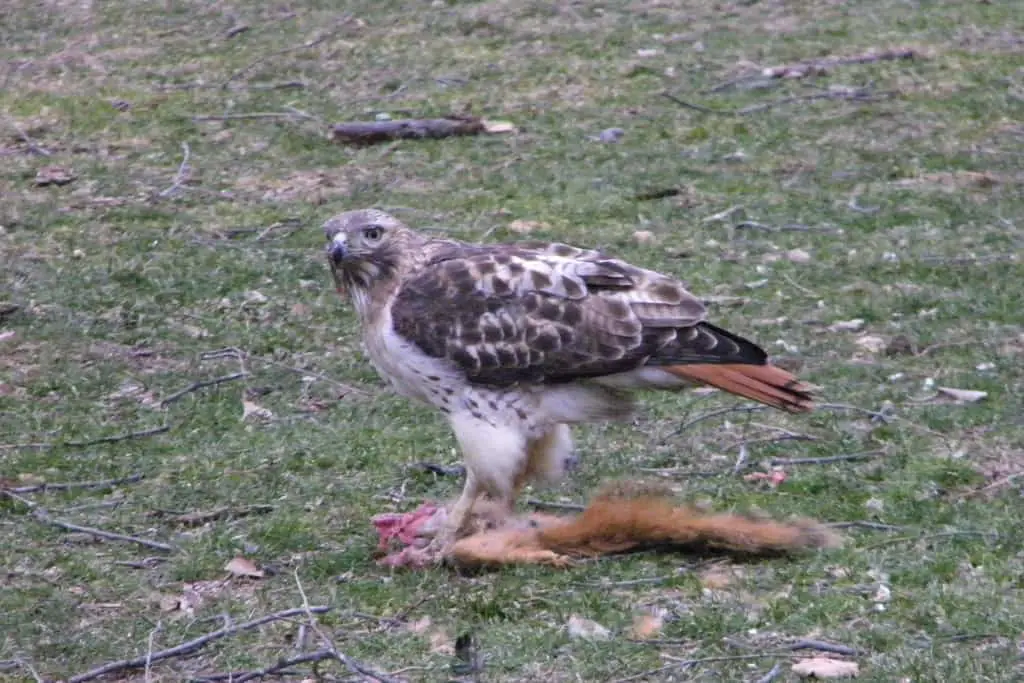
[411,372]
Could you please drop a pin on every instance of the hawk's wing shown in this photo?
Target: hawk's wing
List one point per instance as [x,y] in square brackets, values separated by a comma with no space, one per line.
[553,313]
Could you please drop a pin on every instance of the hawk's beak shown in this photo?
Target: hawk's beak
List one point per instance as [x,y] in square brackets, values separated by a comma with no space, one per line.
[337,250]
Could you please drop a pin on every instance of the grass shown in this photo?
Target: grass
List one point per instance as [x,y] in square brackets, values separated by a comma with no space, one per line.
[909,207]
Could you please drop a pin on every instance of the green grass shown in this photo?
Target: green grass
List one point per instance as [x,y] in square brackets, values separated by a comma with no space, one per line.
[123,290]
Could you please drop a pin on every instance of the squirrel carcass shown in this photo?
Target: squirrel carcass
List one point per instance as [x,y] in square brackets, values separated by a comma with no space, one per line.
[620,518]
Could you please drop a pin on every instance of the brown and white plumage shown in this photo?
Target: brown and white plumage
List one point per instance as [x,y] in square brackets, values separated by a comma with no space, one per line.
[516,341]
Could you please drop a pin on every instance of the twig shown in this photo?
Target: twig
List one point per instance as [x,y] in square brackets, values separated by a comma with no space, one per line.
[277,53]
[678,662]
[44,516]
[130,479]
[252,115]
[190,646]
[856,94]
[996,484]
[373,132]
[351,664]
[823,460]
[196,386]
[149,648]
[25,664]
[772,674]
[543,504]
[741,459]
[822,646]
[864,525]
[41,446]
[33,147]
[929,537]
[117,438]
[820,66]
[716,413]
[278,667]
[182,175]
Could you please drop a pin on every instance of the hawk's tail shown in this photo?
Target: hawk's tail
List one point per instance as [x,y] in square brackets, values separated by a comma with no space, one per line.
[763,383]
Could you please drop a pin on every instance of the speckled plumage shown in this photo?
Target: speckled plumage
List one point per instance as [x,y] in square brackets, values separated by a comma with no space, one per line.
[515,341]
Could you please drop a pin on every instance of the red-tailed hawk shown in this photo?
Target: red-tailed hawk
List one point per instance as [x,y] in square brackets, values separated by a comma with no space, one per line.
[514,342]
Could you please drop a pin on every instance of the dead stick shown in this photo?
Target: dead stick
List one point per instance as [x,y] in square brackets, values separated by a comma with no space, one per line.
[191,646]
[372,132]
[44,516]
[196,386]
[130,479]
[772,674]
[827,459]
[352,665]
[543,504]
[119,437]
[715,413]
[183,171]
[280,666]
[277,53]
[253,115]
[864,525]
[822,646]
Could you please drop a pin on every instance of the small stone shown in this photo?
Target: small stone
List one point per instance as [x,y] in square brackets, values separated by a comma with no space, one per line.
[798,256]
[610,135]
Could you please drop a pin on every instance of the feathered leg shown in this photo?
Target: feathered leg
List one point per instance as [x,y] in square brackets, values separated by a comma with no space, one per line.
[494,454]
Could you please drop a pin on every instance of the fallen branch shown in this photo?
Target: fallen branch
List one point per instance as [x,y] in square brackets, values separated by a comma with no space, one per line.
[43,515]
[278,668]
[345,20]
[716,413]
[196,386]
[930,537]
[190,646]
[42,446]
[546,505]
[854,94]
[351,664]
[823,460]
[373,132]
[821,66]
[772,674]
[822,646]
[182,175]
[66,486]
[864,525]
[254,115]
[816,67]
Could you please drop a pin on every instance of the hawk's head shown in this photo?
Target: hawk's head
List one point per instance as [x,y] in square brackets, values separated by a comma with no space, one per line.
[366,248]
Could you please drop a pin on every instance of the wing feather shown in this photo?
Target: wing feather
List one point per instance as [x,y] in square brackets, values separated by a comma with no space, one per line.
[535,312]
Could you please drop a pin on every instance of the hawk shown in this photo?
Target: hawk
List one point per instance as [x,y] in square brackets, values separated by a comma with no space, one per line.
[515,342]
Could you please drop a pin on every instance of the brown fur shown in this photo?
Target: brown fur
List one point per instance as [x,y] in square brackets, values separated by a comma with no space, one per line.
[618,521]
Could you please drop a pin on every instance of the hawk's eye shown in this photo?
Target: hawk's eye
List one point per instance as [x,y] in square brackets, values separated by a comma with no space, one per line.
[373,233]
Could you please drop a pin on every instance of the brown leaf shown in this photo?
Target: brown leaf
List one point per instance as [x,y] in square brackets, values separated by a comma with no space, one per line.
[647,625]
[585,629]
[252,410]
[716,578]
[441,643]
[525,227]
[962,395]
[497,127]
[826,667]
[870,343]
[643,236]
[54,175]
[241,566]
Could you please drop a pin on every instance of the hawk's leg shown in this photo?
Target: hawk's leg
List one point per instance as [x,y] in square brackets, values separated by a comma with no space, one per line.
[495,455]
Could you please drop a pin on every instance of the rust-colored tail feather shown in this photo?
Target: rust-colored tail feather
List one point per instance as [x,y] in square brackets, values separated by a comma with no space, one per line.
[763,383]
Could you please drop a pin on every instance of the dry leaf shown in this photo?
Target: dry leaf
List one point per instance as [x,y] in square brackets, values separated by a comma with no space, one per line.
[870,343]
[54,175]
[825,667]
[774,478]
[846,325]
[643,236]
[647,625]
[241,566]
[420,625]
[585,629]
[962,395]
[441,643]
[7,334]
[525,227]
[255,297]
[716,578]
[496,127]
[255,411]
